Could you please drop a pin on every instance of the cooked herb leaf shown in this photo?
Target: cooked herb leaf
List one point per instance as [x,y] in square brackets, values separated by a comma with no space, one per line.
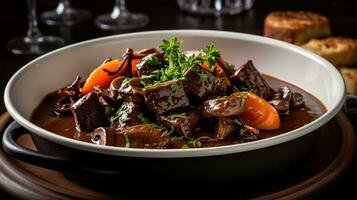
[169,100]
[242,131]
[121,114]
[174,87]
[146,121]
[203,77]
[127,141]
[127,81]
[175,116]
[177,138]
[230,67]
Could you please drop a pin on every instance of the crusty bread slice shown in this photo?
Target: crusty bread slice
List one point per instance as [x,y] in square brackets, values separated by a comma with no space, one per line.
[337,50]
[350,76]
[296,27]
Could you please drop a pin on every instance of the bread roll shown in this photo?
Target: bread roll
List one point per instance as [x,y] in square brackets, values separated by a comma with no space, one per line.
[337,50]
[350,76]
[296,27]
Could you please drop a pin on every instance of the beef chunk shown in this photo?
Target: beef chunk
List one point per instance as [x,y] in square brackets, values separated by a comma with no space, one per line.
[104,136]
[184,121]
[225,126]
[127,115]
[141,136]
[232,105]
[203,84]
[88,113]
[166,96]
[249,76]
[147,65]
[127,89]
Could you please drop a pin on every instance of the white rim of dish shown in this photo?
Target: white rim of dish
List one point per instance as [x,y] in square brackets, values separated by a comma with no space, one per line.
[180,153]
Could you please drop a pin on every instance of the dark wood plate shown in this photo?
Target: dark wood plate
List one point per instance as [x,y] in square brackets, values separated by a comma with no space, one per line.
[329,158]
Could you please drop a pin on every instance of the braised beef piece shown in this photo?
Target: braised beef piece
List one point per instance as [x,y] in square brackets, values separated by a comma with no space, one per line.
[88,113]
[141,136]
[249,76]
[225,126]
[126,115]
[184,121]
[148,64]
[165,96]
[227,106]
[127,89]
[68,96]
[203,84]
[104,136]
[284,98]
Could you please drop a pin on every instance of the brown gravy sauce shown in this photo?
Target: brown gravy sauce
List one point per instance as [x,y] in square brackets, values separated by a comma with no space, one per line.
[65,126]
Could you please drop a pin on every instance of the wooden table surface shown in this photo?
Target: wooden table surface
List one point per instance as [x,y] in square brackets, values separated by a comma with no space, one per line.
[165,14]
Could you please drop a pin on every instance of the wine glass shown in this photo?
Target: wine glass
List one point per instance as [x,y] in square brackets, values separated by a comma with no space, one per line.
[34,42]
[65,14]
[121,19]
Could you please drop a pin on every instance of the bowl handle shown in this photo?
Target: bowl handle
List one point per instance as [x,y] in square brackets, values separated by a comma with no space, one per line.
[14,131]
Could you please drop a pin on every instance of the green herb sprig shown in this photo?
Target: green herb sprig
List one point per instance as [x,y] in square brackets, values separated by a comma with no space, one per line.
[178,62]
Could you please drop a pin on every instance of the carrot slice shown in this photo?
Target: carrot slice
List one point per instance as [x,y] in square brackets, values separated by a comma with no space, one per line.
[259,113]
[99,77]
[134,62]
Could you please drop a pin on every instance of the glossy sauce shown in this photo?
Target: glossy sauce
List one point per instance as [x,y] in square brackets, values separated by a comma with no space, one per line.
[64,125]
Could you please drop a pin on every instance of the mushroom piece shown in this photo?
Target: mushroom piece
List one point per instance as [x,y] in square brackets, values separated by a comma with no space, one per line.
[104,136]
[284,98]
[127,89]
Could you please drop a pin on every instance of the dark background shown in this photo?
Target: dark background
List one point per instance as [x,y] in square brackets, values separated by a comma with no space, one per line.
[165,14]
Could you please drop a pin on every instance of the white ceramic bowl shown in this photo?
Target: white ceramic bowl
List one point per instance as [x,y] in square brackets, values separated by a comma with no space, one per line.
[282,60]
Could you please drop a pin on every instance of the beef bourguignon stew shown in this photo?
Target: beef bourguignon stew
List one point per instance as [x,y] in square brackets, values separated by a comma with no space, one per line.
[170,98]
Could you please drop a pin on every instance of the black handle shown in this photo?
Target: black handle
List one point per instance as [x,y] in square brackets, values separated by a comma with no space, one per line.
[14,131]
[350,105]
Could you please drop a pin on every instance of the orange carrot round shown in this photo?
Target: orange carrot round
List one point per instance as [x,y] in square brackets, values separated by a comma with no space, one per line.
[99,77]
[134,62]
[259,113]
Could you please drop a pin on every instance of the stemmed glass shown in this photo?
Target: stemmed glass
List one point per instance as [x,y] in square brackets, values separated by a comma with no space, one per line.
[34,42]
[120,18]
[65,14]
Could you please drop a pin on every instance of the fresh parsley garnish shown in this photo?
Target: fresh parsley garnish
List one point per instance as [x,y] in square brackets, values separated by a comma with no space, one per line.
[178,62]
[211,54]
[151,60]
